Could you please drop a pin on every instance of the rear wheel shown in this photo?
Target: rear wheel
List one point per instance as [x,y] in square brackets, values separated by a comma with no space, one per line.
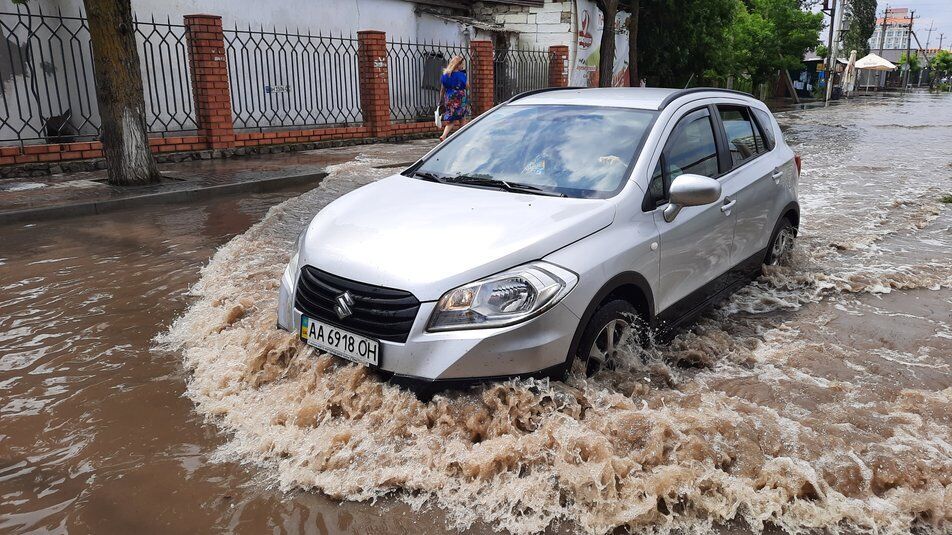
[782,244]
[608,334]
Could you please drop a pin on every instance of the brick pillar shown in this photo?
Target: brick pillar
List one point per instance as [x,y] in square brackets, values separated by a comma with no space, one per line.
[481,81]
[374,85]
[206,58]
[559,66]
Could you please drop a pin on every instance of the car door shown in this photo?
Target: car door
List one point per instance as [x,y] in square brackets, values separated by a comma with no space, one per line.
[751,184]
[695,246]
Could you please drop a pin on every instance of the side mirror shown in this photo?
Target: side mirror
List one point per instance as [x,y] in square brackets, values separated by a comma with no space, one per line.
[690,190]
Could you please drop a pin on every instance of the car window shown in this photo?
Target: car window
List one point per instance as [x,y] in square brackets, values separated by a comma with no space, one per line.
[741,140]
[580,151]
[690,149]
[766,126]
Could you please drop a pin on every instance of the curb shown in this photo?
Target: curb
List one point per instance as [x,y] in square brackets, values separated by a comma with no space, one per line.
[199,193]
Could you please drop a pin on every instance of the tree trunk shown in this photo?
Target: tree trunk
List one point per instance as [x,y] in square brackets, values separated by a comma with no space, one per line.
[119,93]
[606,49]
[633,79]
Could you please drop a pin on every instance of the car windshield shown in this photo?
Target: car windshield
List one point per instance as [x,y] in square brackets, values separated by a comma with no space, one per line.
[577,151]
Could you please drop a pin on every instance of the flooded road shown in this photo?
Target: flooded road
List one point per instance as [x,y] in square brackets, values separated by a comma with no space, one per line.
[820,395]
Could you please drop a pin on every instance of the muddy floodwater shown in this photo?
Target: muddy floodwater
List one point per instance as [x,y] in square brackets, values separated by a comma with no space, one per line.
[144,388]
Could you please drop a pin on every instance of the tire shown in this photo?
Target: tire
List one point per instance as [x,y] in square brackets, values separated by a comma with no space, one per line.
[597,348]
[778,252]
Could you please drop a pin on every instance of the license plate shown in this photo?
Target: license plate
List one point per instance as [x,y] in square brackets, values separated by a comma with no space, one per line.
[339,342]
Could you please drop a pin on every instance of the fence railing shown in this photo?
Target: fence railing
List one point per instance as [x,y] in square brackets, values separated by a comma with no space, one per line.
[46,78]
[306,85]
[519,70]
[163,60]
[414,77]
[47,82]
[291,79]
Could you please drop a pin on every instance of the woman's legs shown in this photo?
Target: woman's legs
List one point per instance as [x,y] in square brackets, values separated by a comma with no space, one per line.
[446,131]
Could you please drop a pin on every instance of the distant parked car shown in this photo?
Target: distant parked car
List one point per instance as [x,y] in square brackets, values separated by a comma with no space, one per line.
[545,232]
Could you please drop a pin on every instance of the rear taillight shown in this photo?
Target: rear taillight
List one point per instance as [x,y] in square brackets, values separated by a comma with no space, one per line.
[796,160]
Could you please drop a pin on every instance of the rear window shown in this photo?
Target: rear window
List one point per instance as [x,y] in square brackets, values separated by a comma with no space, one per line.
[742,135]
[766,126]
[579,151]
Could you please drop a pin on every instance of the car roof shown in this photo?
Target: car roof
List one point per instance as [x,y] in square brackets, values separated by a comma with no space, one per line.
[644,98]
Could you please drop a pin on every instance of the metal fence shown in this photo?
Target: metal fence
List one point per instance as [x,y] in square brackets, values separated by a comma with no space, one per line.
[284,79]
[47,85]
[166,79]
[519,70]
[414,77]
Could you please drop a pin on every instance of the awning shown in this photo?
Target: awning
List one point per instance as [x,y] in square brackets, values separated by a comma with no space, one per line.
[872,62]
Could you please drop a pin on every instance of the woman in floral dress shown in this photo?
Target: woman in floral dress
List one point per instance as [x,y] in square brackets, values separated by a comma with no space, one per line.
[453,88]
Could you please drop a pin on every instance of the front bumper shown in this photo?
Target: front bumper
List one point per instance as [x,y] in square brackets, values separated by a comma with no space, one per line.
[539,344]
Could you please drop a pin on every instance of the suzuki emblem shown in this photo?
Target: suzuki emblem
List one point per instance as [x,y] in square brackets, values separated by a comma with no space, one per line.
[344,302]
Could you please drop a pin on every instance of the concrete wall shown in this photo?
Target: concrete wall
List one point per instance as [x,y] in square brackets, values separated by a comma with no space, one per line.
[537,27]
[574,23]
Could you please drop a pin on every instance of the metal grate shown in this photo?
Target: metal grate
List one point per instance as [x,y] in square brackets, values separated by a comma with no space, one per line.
[518,70]
[47,84]
[284,79]
[414,77]
[378,312]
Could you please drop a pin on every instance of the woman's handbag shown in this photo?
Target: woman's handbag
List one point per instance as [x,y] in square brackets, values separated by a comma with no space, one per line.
[438,117]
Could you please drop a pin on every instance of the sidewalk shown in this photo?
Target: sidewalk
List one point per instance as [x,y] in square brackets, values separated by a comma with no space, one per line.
[83,193]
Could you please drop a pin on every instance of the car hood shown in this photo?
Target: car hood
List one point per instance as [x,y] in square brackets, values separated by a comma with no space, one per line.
[427,238]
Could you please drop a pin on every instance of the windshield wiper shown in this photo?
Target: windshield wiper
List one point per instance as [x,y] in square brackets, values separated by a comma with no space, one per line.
[432,177]
[514,187]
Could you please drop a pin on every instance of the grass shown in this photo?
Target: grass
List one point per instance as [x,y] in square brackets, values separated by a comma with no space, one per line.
[947,198]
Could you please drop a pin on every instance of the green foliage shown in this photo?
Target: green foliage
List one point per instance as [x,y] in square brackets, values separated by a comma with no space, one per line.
[942,61]
[715,39]
[678,38]
[947,198]
[822,51]
[861,20]
[769,35]
[912,61]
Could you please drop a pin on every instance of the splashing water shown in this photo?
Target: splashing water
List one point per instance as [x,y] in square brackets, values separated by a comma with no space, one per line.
[819,396]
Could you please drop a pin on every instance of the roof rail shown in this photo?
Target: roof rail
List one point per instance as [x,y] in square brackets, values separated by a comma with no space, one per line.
[537,91]
[682,92]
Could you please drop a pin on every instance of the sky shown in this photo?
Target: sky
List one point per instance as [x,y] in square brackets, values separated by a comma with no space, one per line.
[926,11]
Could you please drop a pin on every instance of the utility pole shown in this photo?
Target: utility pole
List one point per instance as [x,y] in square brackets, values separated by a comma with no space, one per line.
[831,62]
[882,43]
[908,65]
[929,36]
[926,53]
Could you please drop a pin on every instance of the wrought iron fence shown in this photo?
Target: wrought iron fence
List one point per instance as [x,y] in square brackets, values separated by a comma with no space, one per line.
[166,79]
[518,70]
[47,85]
[280,79]
[46,78]
[414,77]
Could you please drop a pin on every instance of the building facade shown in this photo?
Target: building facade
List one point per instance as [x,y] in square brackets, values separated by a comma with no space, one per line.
[892,34]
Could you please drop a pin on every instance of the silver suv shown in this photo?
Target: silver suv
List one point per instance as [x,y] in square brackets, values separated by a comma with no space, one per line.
[545,232]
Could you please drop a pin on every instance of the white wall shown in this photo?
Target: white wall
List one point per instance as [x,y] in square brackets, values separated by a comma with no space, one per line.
[397,18]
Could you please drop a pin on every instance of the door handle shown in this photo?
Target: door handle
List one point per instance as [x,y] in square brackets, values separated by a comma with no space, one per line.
[728,204]
[777,174]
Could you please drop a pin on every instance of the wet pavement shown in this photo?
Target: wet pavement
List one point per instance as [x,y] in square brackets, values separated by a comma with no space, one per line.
[50,194]
[819,395]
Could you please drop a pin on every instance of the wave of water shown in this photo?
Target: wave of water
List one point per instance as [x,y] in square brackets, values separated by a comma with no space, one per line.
[789,405]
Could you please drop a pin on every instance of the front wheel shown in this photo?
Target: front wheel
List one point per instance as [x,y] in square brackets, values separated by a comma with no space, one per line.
[610,332]
[782,244]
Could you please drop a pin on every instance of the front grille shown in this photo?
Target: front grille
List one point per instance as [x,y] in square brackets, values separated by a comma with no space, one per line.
[378,312]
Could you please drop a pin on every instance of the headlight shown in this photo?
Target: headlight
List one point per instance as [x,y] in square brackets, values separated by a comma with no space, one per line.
[504,299]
